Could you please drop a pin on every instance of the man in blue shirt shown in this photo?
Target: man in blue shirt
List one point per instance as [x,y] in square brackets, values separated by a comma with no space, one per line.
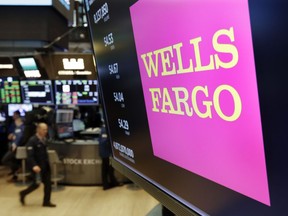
[15,139]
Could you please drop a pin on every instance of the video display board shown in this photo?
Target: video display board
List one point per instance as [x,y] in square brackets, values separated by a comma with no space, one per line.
[77,92]
[9,90]
[182,102]
[37,91]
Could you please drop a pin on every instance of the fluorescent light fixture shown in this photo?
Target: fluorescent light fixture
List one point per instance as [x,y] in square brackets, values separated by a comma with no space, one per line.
[32,74]
[28,63]
[6,66]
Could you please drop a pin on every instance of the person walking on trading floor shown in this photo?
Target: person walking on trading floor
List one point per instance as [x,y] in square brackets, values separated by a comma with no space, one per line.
[39,162]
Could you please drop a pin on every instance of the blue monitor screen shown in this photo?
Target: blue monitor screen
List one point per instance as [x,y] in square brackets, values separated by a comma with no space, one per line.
[78,125]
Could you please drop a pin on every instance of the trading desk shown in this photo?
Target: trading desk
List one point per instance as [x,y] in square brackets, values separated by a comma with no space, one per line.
[81,161]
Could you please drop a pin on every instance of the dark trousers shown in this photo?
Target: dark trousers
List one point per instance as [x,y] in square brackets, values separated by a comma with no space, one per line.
[10,160]
[108,177]
[46,180]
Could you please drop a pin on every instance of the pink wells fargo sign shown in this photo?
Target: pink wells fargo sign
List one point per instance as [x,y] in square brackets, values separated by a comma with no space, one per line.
[198,75]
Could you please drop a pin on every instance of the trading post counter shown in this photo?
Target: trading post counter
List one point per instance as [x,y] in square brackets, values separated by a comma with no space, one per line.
[81,161]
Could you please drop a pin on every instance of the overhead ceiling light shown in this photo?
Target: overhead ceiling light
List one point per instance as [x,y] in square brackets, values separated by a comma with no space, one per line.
[6,66]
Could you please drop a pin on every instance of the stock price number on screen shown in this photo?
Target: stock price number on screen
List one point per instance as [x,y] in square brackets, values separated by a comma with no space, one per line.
[101,13]
[113,68]
[118,96]
[124,151]
[122,123]
[108,40]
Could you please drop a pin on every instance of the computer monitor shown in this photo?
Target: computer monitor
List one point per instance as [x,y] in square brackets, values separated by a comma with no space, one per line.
[64,116]
[10,90]
[37,92]
[64,130]
[78,125]
[77,92]
[22,108]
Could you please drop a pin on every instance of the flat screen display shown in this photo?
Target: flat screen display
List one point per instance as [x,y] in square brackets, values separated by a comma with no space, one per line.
[78,125]
[37,91]
[22,108]
[10,90]
[77,92]
[64,130]
[191,92]
[64,123]
[64,116]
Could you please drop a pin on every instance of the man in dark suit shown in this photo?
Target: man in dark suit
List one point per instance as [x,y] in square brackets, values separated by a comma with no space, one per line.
[39,162]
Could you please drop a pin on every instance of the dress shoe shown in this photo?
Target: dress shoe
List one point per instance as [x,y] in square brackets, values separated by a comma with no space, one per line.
[49,205]
[22,198]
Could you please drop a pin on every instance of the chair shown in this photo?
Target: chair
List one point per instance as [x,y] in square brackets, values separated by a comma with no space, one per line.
[21,154]
[54,162]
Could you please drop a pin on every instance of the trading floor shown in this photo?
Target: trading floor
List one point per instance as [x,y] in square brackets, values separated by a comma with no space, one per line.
[127,200]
